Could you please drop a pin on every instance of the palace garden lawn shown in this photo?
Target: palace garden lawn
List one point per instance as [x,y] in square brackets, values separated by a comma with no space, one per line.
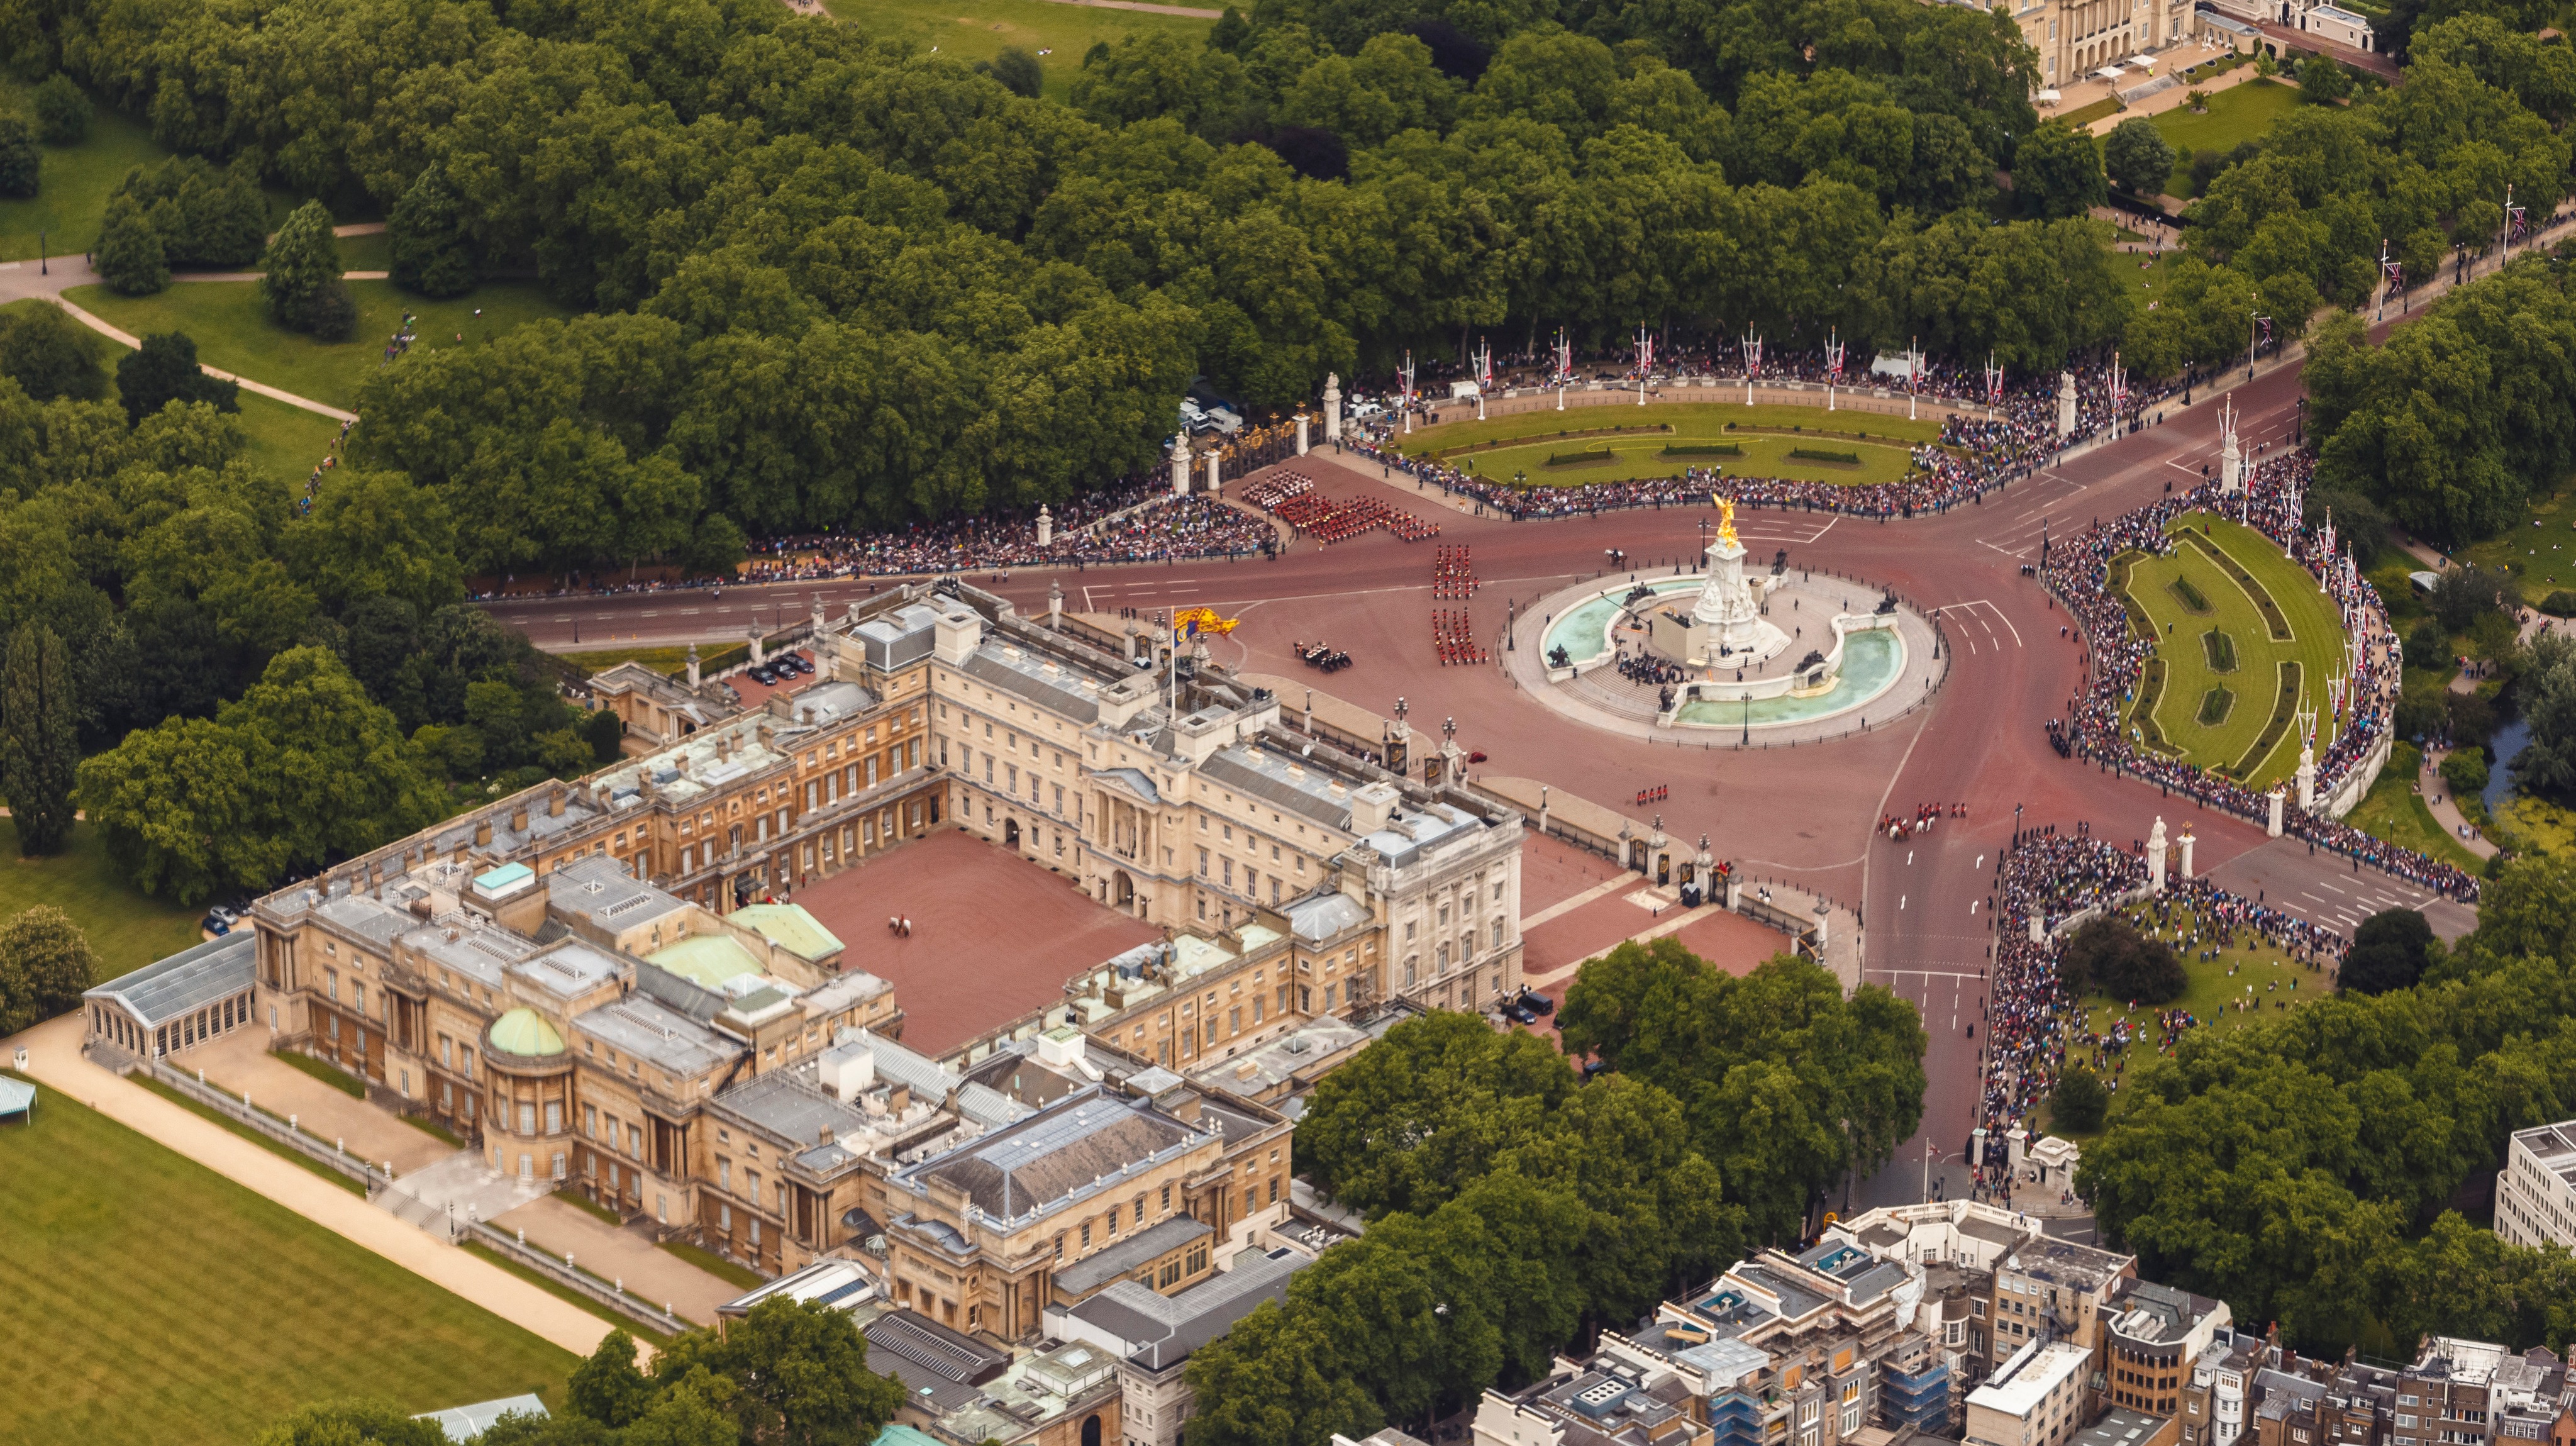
[161,1302]
[2213,693]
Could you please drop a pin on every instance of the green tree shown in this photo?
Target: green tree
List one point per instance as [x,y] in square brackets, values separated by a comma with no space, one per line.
[39,740]
[51,356]
[1019,72]
[130,256]
[607,1387]
[2058,172]
[2323,81]
[2079,1102]
[164,370]
[2108,954]
[45,963]
[302,282]
[375,534]
[432,244]
[1425,1110]
[21,162]
[2137,156]
[62,111]
[2389,951]
[352,1423]
[1276,1379]
[606,734]
[798,1371]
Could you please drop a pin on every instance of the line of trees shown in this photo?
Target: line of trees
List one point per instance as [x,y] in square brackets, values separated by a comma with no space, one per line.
[2314,1169]
[1512,1207]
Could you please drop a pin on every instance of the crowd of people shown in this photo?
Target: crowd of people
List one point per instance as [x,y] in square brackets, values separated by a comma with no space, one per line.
[330,462]
[2097,727]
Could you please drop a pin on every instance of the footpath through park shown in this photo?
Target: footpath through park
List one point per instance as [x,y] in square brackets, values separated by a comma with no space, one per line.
[54,1060]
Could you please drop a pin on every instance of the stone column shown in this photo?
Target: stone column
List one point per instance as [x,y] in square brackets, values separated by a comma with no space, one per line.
[820,625]
[2038,930]
[1215,482]
[1046,526]
[1055,607]
[2308,779]
[1542,807]
[2186,852]
[2065,405]
[2231,466]
[758,654]
[2156,857]
[1302,420]
[693,665]
[1181,465]
[2274,826]
[1824,919]
[1332,407]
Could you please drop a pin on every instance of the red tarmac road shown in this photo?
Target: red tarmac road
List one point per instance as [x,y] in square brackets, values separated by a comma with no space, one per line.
[1805,814]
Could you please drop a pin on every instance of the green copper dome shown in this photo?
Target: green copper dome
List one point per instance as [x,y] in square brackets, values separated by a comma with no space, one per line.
[525,1033]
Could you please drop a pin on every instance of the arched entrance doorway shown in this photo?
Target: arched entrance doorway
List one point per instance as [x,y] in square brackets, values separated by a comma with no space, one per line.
[1011,833]
[1122,890]
[1091,1430]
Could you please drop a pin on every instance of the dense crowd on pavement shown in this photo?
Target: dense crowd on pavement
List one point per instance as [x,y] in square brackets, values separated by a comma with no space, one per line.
[2078,571]
[2034,1024]
[1974,455]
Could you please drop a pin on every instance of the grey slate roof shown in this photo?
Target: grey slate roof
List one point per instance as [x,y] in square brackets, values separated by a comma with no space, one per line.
[1067,1149]
[185,982]
[1159,1331]
[1153,1242]
[647,1029]
[599,889]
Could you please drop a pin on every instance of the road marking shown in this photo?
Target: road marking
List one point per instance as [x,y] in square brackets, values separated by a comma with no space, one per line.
[1563,907]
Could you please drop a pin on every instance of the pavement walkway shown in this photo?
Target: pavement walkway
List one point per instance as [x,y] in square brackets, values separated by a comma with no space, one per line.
[2437,798]
[54,1061]
[239,1063]
[620,1256]
[48,280]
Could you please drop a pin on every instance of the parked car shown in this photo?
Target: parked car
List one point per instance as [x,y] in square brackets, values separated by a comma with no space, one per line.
[764,675]
[1536,1002]
[800,663]
[1520,1014]
[214,925]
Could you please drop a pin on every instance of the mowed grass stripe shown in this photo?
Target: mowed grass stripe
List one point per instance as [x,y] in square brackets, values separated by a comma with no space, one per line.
[178,1307]
[2273,613]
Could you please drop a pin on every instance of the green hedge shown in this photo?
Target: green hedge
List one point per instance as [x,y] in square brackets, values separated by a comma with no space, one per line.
[1704,449]
[1589,456]
[2221,649]
[2192,597]
[2214,707]
[1820,454]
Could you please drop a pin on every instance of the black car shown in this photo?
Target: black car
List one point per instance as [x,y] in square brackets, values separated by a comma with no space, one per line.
[800,663]
[1537,1003]
[213,925]
[1519,1014]
[764,675]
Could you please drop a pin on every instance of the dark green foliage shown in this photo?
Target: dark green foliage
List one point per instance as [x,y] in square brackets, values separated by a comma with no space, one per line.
[62,111]
[49,355]
[45,963]
[301,282]
[352,1423]
[20,159]
[2559,604]
[2110,956]
[2079,1103]
[433,248]
[2361,526]
[130,255]
[2299,1166]
[206,217]
[2137,157]
[2465,770]
[607,734]
[164,370]
[2058,172]
[2467,593]
[1018,71]
[2323,81]
[2389,950]
[39,739]
[2428,644]
[2547,763]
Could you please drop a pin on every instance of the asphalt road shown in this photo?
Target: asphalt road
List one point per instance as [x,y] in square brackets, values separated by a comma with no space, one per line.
[1979,741]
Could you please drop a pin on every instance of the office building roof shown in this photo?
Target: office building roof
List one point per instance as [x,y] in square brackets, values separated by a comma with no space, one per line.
[2024,1380]
[2119,1427]
[1159,1331]
[598,891]
[1151,1243]
[642,1027]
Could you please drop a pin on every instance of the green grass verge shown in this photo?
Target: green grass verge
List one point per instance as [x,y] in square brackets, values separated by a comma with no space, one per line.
[2393,811]
[560,1291]
[72,187]
[2085,115]
[294,1156]
[127,927]
[2272,614]
[2541,558]
[716,1265]
[2209,990]
[434,1130]
[330,1074]
[1771,441]
[668,661]
[230,325]
[167,1304]
[286,442]
[980,29]
[2236,115]
[586,1205]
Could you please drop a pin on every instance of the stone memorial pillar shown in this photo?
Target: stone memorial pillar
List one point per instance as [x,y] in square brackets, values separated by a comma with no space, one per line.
[1302,420]
[2186,851]
[2156,858]
[693,665]
[2065,405]
[2274,826]
[1046,526]
[1332,407]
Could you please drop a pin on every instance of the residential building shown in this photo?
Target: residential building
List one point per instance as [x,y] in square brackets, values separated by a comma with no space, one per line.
[2121,1426]
[2155,1336]
[2035,1398]
[2536,1192]
[964,1390]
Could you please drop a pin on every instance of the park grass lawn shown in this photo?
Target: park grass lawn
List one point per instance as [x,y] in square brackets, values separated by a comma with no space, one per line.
[1767,434]
[979,29]
[73,186]
[167,1304]
[2237,114]
[371,252]
[229,1125]
[2539,549]
[286,441]
[2187,676]
[669,662]
[230,325]
[127,927]
[716,1265]
[2209,989]
[2084,116]
[2394,812]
